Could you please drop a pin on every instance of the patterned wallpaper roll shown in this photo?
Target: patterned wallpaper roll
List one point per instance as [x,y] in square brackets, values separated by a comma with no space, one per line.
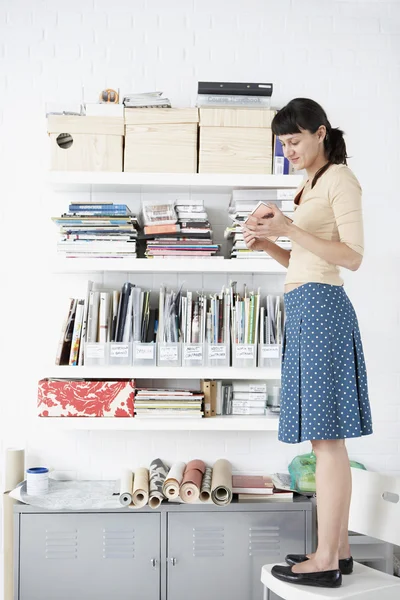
[191,483]
[205,490]
[158,474]
[221,484]
[174,480]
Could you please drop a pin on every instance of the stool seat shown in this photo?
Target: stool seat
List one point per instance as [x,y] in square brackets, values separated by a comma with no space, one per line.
[363,584]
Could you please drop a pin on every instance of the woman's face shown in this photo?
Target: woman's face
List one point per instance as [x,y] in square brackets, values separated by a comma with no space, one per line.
[302,149]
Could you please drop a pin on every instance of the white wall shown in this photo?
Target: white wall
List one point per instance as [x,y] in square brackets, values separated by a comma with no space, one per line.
[343,54]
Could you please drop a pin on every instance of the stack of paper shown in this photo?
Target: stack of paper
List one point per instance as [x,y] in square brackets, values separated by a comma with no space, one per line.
[176,403]
[146,100]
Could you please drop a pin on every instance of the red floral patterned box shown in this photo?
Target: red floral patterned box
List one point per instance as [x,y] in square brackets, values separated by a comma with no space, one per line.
[85,398]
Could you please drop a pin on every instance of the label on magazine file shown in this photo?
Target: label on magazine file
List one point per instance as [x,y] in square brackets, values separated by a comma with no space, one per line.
[244,351]
[193,353]
[119,350]
[169,353]
[94,350]
[144,351]
[256,388]
[217,352]
[270,351]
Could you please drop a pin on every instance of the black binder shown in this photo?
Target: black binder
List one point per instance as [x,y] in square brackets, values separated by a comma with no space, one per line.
[227,88]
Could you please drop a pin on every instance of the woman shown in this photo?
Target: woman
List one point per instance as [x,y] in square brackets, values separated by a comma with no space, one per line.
[324,383]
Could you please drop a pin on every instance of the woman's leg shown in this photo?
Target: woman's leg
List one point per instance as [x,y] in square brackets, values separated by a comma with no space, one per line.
[333,485]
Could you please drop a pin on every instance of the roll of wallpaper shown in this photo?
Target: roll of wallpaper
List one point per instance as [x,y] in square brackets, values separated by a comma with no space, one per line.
[126,487]
[174,480]
[191,482]
[14,474]
[14,467]
[221,483]
[140,494]
[158,474]
[205,490]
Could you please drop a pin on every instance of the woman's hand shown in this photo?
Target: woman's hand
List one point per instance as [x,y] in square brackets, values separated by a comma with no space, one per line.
[273,226]
[251,242]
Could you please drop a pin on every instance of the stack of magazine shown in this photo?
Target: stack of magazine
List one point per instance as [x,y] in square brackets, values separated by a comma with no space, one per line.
[230,94]
[244,202]
[173,403]
[181,230]
[146,100]
[101,230]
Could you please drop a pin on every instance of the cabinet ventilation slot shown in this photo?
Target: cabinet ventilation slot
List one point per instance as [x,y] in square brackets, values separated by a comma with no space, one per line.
[119,544]
[61,545]
[208,541]
[264,541]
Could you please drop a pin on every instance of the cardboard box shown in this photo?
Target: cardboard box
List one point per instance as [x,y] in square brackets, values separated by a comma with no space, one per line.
[89,398]
[161,140]
[80,143]
[235,140]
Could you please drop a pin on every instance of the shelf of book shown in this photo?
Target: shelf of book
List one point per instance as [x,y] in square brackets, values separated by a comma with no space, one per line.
[61,264]
[222,423]
[78,181]
[139,372]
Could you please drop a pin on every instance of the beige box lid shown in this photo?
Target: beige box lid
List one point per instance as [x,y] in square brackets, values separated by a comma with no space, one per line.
[83,124]
[236,117]
[149,116]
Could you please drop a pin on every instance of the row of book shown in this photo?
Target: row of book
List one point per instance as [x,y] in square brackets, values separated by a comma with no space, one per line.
[126,315]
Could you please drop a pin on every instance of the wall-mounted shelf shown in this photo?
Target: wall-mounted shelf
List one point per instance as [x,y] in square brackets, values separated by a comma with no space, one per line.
[81,181]
[223,423]
[229,373]
[61,264]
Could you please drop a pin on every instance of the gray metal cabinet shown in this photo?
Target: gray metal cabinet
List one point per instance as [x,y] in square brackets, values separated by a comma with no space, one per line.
[219,555]
[89,556]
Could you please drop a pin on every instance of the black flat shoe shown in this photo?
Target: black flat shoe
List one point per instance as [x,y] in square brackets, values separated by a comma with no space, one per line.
[345,564]
[329,579]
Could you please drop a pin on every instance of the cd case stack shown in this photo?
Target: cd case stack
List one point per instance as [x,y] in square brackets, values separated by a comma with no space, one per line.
[243,203]
[104,230]
[178,231]
[173,403]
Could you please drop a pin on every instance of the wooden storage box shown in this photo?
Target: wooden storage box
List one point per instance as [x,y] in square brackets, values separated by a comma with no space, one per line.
[161,140]
[86,143]
[235,140]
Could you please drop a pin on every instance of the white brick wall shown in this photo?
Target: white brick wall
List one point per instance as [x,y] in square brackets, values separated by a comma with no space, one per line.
[343,54]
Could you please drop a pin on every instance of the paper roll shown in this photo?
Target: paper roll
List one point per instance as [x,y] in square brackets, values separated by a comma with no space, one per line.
[205,490]
[221,483]
[140,494]
[14,467]
[126,487]
[158,474]
[174,480]
[191,482]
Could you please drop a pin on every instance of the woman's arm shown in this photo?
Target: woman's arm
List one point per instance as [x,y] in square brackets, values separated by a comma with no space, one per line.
[336,253]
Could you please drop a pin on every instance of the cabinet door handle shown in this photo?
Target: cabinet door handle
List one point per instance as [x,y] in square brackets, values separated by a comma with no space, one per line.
[173,561]
[153,562]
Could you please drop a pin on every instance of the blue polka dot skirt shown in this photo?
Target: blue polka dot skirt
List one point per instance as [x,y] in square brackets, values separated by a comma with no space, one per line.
[324,392]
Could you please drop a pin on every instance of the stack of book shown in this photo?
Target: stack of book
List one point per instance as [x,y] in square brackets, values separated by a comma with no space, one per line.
[104,230]
[228,94]
[242,204]
[259,488]
[187,234]
[175,403]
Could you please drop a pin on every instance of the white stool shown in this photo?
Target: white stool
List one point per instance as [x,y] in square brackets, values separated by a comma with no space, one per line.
[374,511]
